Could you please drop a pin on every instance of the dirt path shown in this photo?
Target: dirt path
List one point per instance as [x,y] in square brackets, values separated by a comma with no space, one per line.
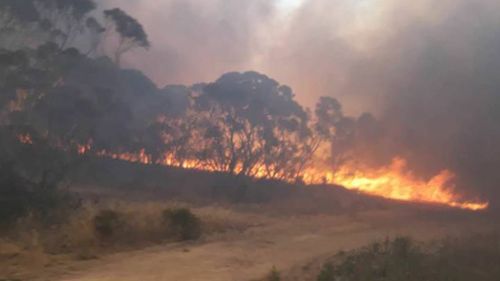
[284,243]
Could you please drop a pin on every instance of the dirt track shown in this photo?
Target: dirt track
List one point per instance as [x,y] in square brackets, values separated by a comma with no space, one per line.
[285,243]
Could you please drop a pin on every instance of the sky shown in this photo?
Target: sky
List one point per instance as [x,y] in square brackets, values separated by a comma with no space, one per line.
[428,70]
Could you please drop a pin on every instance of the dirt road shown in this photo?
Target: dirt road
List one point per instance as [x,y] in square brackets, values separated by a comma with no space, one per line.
[284,243]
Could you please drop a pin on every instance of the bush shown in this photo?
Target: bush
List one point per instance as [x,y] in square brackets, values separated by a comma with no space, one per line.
[274,275]
[14,196]
[182,223]
[107,223]
[476,258]
[327,273]
[20,197]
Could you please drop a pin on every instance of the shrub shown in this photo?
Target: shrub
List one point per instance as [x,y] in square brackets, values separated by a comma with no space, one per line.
[107,223]
[14,196]
[327,273]
[475,258]
[274,275]
[182,223]
[20,197]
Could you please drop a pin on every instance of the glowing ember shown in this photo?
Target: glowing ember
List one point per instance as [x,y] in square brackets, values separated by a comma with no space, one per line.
[82,149]
[140,157]
[26,139]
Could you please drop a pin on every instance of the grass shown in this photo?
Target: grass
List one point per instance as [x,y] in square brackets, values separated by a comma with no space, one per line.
[97,229]
[452,259]
[274,275]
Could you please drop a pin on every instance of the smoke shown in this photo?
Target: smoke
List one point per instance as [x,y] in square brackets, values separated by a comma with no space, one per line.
[428,70]
[196,41]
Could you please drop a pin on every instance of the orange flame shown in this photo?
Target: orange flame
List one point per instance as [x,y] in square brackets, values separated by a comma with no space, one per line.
[396,182]
[140,157]
[392,182]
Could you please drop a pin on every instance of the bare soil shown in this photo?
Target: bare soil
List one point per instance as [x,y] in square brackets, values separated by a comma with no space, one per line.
[293,244]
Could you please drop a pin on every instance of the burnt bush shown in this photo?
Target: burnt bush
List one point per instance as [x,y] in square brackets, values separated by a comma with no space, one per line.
[20,197]
[15,195]
[182,223]
[32,176]
[107,223]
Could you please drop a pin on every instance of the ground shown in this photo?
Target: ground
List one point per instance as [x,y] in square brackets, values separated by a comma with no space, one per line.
[294,245]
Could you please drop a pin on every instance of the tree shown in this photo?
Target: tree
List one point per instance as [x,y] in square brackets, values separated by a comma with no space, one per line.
[246,117]
[29,23]
[130,32]
[66,18]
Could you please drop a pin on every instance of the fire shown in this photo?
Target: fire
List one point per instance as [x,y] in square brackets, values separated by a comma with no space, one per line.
[396,182]
[83,148]
[25,139]
[140,157]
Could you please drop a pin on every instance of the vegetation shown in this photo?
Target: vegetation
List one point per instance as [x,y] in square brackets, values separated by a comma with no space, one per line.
[327,273]
[474,258]
[274,275]
[107,223]
[96,229]
[65,98]
[182,223]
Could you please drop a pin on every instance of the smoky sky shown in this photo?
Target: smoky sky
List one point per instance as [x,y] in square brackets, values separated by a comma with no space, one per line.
[428,70]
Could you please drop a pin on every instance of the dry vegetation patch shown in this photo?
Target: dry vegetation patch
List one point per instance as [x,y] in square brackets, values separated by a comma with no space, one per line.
[97,229]
[460,259]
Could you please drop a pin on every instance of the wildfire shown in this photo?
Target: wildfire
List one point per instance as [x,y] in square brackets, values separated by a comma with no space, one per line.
[392,182]
[396,182]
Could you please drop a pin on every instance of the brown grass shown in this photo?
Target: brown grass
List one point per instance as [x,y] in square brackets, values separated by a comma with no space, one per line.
[30,246]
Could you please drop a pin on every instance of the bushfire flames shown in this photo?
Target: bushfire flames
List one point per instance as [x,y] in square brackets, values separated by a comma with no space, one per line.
[394,181]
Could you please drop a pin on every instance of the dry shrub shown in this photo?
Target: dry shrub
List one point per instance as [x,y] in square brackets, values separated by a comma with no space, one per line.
[219,220]
[460,259]
[110,226]
[182,223]
[107,223]
[274,275]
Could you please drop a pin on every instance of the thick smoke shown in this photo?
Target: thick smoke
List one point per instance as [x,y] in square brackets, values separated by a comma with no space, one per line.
[195,40]
[427,70]
[430,71]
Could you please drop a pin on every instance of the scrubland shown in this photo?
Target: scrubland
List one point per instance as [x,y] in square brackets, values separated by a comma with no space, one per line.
[133,222]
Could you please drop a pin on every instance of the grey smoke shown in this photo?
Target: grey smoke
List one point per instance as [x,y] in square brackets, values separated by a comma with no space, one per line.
[428,70]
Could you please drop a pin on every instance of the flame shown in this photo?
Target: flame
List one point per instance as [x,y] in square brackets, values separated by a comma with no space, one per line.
[394,181]
[140,157]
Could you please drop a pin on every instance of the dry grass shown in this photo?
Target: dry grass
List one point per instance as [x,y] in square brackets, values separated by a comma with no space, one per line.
[36,246]
[475,257]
